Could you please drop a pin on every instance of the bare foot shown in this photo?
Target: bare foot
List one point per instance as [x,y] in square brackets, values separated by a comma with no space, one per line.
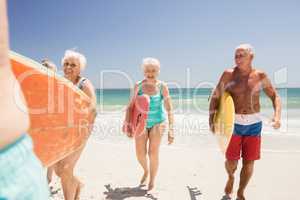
[150,185]
[144,178]
[240,195]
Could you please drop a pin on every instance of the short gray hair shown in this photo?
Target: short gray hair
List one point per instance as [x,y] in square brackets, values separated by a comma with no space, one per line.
[73,54]
[247,47]
[151,61]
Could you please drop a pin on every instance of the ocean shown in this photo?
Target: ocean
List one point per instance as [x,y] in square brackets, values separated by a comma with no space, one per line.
[189,99]
[191,110]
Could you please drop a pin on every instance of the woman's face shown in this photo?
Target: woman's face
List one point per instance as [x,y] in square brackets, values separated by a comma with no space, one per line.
[71,67]
[151,72]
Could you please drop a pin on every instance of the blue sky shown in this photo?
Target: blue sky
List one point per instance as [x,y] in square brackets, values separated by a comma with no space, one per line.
[194,34]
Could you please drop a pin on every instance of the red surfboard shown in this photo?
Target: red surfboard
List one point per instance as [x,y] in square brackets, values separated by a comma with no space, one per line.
[138,116]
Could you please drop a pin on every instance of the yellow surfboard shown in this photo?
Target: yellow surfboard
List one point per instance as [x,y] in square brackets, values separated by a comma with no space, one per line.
[224,121]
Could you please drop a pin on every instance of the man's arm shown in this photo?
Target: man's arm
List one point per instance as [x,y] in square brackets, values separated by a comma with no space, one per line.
[216,95]
[273,95]
[4,61]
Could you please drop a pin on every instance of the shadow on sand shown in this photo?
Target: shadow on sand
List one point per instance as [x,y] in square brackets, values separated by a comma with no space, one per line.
[194,192]
[126,192]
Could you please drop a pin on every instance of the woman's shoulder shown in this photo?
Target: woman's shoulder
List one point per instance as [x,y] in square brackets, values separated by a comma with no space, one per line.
[162,84]
[81,82]
[137,85]
[164,88]
[140,82]
[85,83]
[83,79]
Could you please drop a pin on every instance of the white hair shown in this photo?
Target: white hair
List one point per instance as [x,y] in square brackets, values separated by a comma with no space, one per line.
[151,61]
[73,54]
[247,47]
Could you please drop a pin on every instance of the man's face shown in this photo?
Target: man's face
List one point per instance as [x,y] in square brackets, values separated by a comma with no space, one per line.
[242,58]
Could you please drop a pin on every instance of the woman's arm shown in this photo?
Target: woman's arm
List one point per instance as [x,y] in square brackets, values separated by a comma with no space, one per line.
[169,108]
[89,90]
[126,125]
[130,104]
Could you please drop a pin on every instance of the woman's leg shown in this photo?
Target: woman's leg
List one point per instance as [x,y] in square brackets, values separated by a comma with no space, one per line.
[141,154]
[155,136]
[65,170]
[50,173]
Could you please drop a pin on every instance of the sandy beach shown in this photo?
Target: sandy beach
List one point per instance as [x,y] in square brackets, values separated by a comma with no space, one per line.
[191,169]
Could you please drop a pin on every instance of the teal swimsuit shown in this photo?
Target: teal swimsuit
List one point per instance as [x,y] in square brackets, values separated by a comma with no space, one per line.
[156,112]
[22,176]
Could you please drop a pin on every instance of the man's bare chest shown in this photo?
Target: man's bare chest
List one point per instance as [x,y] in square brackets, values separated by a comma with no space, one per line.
[243,85]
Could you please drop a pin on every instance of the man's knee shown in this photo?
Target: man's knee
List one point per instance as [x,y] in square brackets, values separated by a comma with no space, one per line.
[248,165]
[231,166]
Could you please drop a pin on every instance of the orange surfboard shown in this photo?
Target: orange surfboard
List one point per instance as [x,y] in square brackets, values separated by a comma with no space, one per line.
[59,111]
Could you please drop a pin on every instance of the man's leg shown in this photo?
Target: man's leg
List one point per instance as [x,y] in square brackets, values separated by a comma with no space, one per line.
[232,156]
[250,153]
[231,166]
[246,174]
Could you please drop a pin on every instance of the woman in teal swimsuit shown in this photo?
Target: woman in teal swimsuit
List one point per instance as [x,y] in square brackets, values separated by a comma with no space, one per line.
[160,102]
